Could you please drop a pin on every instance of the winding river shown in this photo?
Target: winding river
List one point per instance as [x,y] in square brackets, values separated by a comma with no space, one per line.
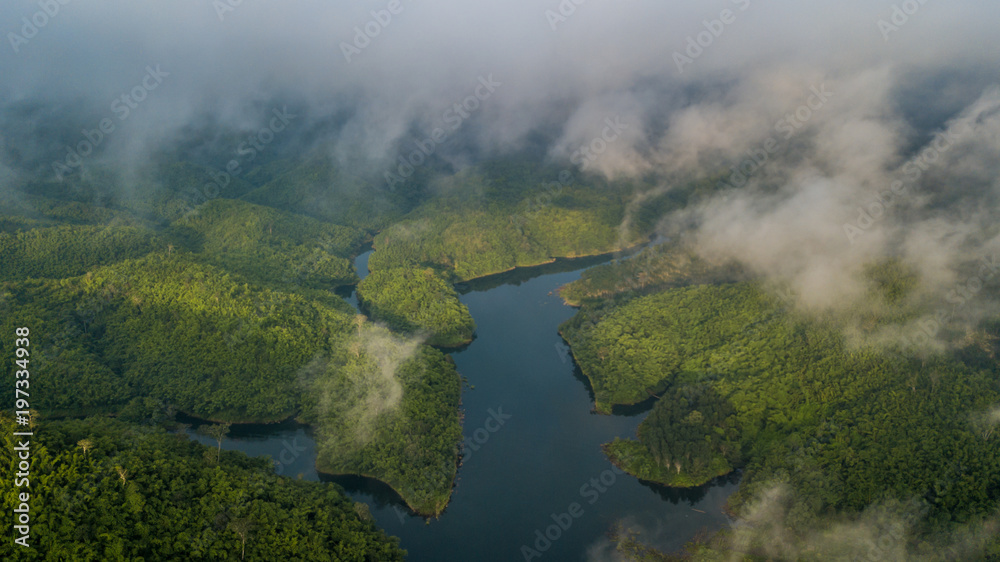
[533,465]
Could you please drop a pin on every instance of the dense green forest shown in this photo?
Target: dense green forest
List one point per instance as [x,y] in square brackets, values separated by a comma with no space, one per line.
[107,490]
[29,210]
[209,344]
[317,188]
[389,410]
[67,251]
[633,350]
[493,218]
[170,328]
[417,301]
[652,269]
[272,247]
[160,191]
[210,293]
[742,381]
[217,302]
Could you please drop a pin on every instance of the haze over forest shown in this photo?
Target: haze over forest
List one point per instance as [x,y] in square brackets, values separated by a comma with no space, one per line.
[895,80]
[842,156]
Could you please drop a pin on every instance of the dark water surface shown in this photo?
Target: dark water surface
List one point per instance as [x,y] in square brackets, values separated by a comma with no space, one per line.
[543,459]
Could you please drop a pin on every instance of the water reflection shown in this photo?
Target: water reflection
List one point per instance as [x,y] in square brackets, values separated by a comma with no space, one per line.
[380,493]
[694,495]
[521,275]
[538,463]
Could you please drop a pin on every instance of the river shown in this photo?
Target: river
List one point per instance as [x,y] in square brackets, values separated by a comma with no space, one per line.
[533,447]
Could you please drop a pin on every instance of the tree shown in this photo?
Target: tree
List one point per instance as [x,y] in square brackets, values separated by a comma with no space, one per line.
[218,432]
[242,527]
[122,473]
[86,445]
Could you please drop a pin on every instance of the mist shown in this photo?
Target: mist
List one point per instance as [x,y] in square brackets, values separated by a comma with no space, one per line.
[849,95]
[562,68]
[367,387]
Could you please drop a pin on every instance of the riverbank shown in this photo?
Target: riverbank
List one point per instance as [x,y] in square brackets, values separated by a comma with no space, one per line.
[513,474]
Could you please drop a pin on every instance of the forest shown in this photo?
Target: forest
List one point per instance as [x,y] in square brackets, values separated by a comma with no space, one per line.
[272,247]
[210,345]
[492,219]
[215,297]
[221,305]
[417,301]
[742,380]
[661,264]
[388,411]
[215,307]
[103,489]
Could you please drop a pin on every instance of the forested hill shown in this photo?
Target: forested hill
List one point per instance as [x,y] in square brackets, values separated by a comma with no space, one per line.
[418,301]
[108,490]
[834,429]
[506,214]
[177,288]
[207,343]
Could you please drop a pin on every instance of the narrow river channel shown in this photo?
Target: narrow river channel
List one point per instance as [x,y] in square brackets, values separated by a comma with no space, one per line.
[532,447]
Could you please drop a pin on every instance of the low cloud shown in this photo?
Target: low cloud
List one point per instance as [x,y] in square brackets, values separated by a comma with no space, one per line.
[852,190]
[883,531]
[364,388]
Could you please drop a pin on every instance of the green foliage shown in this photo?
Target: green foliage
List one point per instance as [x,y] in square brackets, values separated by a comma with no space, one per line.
[168,503]
[172,190]
[688,439]
[274,247]
[223,322]
[636,350]
[488,224]
[33,211]
[67,251]
[159,191]
[891,281]
[651,269]
[318,189]
[167,333]
[842,427]
[389,410]
[170,329]
[417,301]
